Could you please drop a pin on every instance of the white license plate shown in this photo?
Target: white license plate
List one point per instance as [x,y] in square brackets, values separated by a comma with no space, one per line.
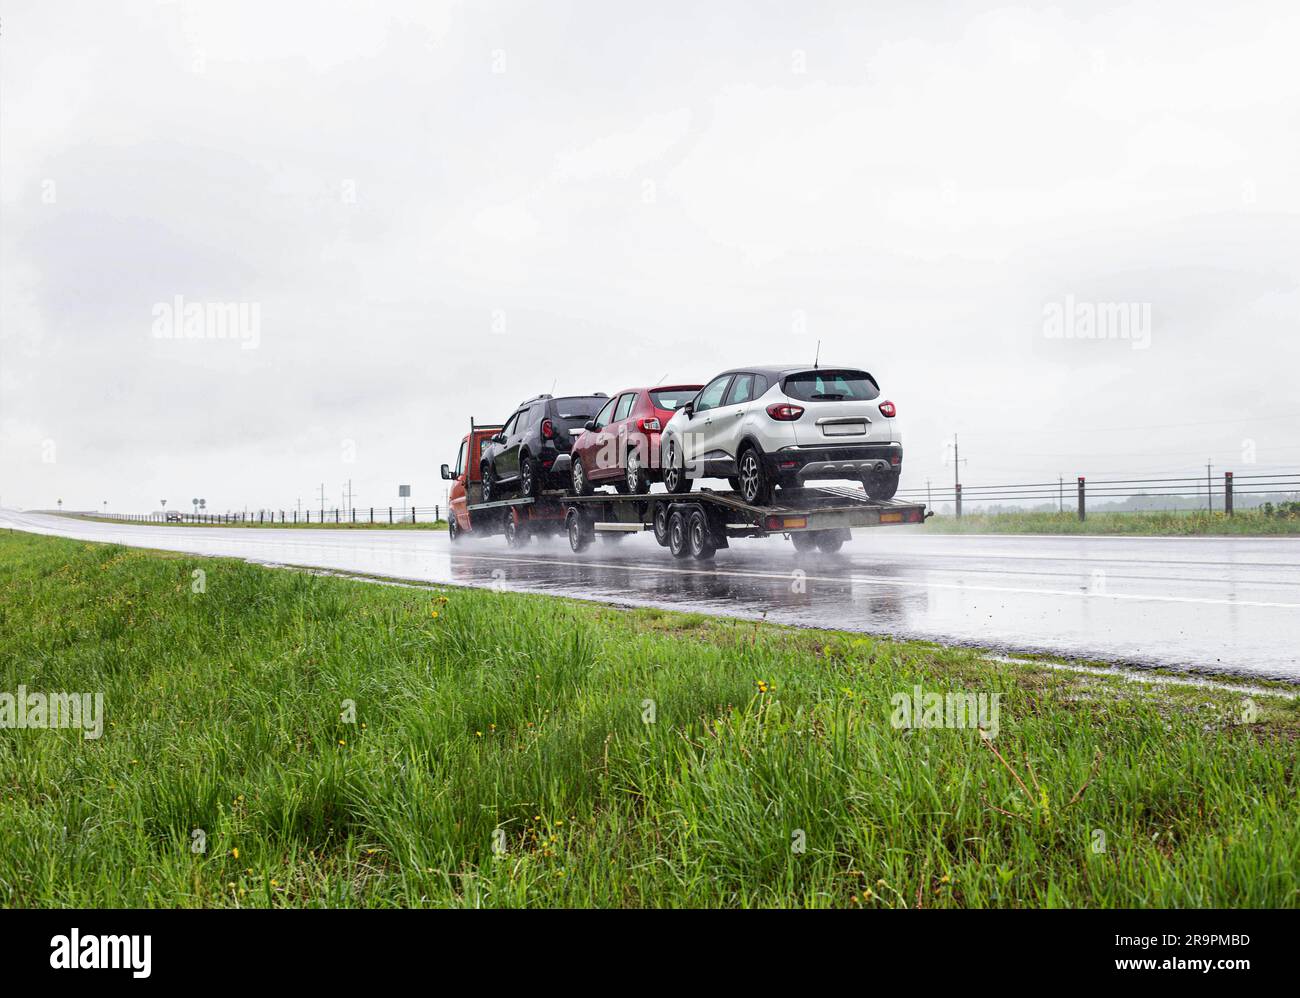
[856,428]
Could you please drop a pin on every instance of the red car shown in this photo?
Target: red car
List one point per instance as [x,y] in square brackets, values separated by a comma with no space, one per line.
[620,447]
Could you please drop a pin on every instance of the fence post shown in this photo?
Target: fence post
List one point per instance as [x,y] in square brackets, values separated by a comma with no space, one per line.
[412,514]
[1227,492]
[958,493]
[336,514]
[1083,509]
[372,514]
[390,515]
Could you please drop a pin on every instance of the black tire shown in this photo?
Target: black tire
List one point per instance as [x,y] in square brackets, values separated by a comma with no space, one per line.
[829,541]
[700,535]
[489,479]
[635,480]
[880,485]
[675,480]
[579,532]
[661,524]
[755,486]
[517,533]
[678,535]
[530,477]
[579,483]
[453,526]
[734,483]
[804,540]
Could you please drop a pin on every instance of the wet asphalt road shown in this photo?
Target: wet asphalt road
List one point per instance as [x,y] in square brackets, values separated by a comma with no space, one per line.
[1228,605]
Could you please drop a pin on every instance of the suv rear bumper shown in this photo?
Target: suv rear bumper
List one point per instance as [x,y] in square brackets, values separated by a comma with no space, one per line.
[835,461]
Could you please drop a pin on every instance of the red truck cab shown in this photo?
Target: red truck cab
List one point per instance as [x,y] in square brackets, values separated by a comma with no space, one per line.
[466,478]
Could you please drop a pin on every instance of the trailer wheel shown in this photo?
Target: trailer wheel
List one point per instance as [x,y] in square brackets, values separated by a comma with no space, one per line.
[829,541]
[678,535]
[804,540]
[517,534]
[579,532]
[661,524]
[701,536]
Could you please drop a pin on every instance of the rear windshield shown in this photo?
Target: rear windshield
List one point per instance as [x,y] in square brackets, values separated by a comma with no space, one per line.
[832,386]
[673,399]
[574,412]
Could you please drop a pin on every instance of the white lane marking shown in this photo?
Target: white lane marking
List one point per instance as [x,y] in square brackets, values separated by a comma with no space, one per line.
[785,576]
[888,581]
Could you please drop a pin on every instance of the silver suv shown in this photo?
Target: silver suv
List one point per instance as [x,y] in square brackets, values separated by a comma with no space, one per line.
[762,427]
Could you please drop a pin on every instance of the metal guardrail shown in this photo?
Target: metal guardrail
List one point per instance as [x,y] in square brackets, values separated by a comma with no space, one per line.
[363,515]
[1074,495]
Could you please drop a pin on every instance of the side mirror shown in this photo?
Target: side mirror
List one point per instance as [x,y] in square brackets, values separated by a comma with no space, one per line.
[689,409]
[500,438]
[590,425]
[446,473]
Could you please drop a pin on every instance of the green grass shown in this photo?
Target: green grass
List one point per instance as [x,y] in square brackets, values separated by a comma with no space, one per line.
[1175,523]
[524,714]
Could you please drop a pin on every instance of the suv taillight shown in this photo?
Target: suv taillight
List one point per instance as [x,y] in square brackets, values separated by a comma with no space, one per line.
[548,429]
[648,425]
[784,411]
[888,410]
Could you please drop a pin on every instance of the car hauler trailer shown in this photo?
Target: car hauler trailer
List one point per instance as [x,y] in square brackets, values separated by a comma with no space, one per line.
[694,524]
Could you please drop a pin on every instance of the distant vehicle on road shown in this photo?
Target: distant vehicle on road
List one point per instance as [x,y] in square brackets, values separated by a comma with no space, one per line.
[763,427]
[519,457]
[173,516]
[620,446]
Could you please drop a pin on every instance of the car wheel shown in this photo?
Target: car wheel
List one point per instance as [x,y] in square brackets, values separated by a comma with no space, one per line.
[636,481]
[701,536]
[530,477]
[678,535]
[579,483]
[880,485]
[804,541]
[579,532]
[675,479]
[755,488]
[661,524]
[830,541]
[489,484]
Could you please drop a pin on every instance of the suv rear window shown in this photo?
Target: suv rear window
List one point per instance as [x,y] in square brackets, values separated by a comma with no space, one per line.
[573,413]
[672,399]
[832,386]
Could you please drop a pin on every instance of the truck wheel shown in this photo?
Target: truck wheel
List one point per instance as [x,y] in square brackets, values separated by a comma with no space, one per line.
[530,477]
[579,483]
[804,540]
[880,485]
[579,532]
[830,541]
[453,527]
[678,535]
[661,524]
[701,536]
[675,479]
[517,534]
[755,488]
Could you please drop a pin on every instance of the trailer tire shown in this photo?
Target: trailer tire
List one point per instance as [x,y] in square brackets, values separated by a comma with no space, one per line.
[661,524]
[804,541]
[678,535]
[579,532]
[701,536]
[829,541]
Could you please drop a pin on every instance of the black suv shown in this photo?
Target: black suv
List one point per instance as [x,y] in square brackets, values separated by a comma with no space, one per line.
[519,458]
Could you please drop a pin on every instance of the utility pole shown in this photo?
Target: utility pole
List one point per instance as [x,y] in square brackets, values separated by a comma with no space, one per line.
[349,495]
[956,475]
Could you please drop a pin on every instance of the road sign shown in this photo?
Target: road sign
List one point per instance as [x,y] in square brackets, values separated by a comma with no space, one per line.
[403,491]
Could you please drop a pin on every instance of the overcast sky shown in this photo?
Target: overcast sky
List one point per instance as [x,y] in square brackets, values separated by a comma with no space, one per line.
[436,211]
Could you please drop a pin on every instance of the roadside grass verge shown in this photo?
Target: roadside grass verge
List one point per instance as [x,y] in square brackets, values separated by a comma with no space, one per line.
[525,750]
[1157,524]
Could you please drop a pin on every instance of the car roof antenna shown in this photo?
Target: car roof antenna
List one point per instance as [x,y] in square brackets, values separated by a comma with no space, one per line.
[819,353]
